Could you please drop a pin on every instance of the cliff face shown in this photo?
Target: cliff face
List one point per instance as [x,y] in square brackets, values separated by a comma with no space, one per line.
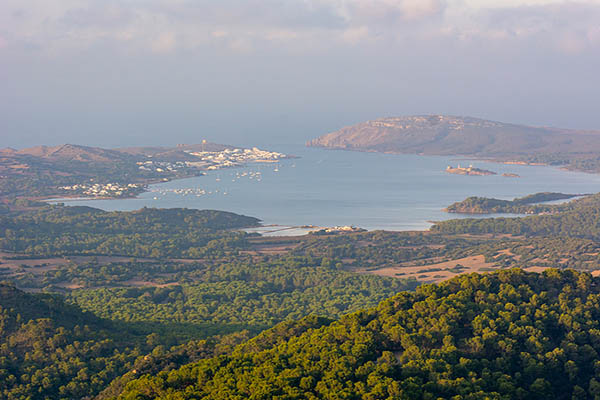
[452,135]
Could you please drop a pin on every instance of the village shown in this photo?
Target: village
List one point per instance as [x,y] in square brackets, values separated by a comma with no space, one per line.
[105,189]
[207,161]
[236,157]
[213,160]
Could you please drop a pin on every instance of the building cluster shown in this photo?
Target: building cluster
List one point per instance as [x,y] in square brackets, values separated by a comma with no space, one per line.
[162,166]
[345,228]
[104,189]
[212,160]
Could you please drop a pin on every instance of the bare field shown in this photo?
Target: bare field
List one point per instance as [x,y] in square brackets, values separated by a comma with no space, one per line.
[436,272]
[271,249]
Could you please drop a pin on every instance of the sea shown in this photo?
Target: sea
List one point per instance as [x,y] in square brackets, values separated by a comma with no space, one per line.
[327,188]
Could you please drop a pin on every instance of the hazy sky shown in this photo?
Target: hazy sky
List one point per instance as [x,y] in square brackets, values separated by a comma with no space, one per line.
[117,72]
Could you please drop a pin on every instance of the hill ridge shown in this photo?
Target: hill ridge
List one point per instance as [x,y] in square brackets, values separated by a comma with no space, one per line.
[438,134]
[509,334]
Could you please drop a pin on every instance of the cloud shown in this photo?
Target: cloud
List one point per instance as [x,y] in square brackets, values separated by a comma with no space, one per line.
[164,42]
[355,35]
[417,9]
[162,25]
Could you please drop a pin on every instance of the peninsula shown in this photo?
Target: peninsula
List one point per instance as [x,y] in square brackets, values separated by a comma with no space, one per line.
[81,171]
[531,204]
[448,135]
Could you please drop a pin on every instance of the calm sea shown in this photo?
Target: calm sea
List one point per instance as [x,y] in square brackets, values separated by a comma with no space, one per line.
[369,190]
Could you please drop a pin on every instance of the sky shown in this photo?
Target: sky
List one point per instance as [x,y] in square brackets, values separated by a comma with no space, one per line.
[256,72]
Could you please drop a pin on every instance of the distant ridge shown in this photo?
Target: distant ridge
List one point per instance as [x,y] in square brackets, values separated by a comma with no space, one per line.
[468,136]
[74,152]
[66,152]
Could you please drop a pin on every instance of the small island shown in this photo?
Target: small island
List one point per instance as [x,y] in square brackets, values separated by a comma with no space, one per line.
[510,175]
[470,170]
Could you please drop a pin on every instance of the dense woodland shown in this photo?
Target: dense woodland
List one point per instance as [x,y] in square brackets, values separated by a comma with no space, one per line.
[181,312]
[251,297]
[169,303]
[507,335]
[60,230]
[49,349]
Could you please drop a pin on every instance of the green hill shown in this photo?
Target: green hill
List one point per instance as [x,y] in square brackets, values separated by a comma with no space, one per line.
[51,350]
[522,205]
[148,232]
[507,335]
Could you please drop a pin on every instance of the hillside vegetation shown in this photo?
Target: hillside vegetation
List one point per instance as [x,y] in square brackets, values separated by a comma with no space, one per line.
[507,335]
[579,218]
[521,205]
[148,232]
[179,322]
[121,316]
[50,349]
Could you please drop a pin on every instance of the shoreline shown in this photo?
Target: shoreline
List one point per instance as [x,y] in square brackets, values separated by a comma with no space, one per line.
[399,224]
[507,161]
[290,157]
[148,183]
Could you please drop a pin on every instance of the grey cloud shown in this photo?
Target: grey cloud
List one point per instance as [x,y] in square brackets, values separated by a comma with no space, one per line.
[243,25]
[265,13]
[108,15]
[552,21]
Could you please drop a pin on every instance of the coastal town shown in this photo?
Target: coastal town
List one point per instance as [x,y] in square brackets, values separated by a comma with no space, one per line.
[164,170]
[236,157]
[213,160]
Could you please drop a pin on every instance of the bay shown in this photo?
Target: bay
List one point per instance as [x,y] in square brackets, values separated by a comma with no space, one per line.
[333,188]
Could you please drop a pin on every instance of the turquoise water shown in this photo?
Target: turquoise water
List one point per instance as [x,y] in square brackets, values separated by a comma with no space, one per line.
[369,190]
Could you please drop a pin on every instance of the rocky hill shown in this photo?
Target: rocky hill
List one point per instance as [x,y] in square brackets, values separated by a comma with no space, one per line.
[453,135]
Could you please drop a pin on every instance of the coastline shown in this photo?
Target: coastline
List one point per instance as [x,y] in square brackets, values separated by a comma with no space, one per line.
[312,193]
[146,184]
[458,157]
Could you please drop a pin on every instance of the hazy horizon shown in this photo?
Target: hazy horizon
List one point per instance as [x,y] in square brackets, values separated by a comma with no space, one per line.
[121,73]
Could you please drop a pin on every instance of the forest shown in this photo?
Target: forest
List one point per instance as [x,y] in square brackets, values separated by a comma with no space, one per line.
[59,230]
[506,335]
[112,317]
[177,303]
